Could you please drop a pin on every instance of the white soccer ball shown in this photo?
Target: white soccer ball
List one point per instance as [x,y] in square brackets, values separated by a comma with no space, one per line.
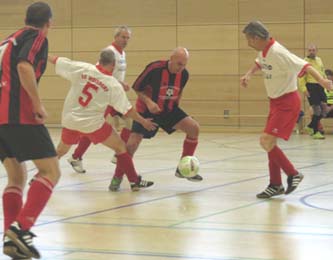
[188,166]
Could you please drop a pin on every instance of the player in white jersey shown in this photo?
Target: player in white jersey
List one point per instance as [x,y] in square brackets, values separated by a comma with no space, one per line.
[280,69]
[122,35]
[92,90]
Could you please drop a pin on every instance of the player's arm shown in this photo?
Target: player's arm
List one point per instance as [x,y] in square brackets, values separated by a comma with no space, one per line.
[244,81]
[151,105]
[146,123]
[28,81]
[125,86]
[325,83]
[52,59]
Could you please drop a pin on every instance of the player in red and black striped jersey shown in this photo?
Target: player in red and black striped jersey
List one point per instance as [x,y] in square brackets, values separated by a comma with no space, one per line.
[159,88]
[23,57]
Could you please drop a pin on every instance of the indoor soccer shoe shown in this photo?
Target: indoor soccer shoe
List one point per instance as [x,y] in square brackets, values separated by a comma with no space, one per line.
[12,250]
[76,164]
[293,182]
[195,178]
[270,191]
[115,184]
[23,240]
[318,136]
[309,130]
[136,186]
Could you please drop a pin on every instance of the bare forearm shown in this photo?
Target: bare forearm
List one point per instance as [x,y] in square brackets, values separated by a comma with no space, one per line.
[52,59]
[314,73]
[143,97]
[135,116]
[252,70]
[28,81]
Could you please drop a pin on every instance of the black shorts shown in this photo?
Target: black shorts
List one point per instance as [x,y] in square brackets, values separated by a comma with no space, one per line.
[164,120]
[317,94]
[25,142]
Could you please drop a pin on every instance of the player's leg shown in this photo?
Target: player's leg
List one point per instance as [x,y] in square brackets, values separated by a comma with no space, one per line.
[125,163]
[179,120]
[76,159]
[281,121]
[36,145]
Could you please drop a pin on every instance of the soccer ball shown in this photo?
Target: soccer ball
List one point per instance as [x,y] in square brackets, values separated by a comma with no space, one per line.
[188,166]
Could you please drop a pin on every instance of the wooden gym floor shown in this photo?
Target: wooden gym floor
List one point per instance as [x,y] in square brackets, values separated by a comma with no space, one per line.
[219,218]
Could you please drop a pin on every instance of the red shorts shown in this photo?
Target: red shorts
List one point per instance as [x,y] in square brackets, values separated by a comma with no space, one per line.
[70,137]
[283,115]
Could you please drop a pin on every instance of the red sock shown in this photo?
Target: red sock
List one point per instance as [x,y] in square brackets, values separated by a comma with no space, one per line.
[12,204]
[125,166]
[84,143]
[189,146]
[274,171]
[280,159]
[125,134]
[38,195]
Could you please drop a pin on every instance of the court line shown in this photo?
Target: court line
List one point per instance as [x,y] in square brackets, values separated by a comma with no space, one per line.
[204,229]
[146,254]
[304,201]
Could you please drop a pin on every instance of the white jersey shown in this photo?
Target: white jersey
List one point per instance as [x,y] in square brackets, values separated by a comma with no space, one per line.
[119,71]
[92,91]
[280,69]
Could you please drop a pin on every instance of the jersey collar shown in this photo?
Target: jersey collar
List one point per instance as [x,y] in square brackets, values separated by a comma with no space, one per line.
[117,47]
[268,46]
[104,71]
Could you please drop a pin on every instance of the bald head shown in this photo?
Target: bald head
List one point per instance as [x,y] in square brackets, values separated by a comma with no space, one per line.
[312,51]
[178,59]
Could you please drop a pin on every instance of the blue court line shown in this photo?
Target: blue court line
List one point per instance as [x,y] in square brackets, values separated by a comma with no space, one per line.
[205,229]
[147,254]
[304,201]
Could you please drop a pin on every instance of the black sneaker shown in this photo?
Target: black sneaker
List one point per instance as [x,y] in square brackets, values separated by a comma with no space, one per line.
[12,250]
[270,191]
[293,182]
[23,240]
[136,186]
[195,178]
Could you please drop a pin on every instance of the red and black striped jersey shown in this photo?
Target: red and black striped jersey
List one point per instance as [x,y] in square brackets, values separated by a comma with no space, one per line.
[26,44]
[162,86]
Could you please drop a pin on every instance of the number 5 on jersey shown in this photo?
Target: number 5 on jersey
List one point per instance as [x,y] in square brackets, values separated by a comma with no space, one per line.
[87,94]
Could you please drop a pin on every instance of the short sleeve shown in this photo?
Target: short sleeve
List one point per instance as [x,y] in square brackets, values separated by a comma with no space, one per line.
[118,98]
[31,47]
[67,68]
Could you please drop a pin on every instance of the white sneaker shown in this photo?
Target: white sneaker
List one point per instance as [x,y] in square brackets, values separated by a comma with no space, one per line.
[114,159]
[76,164]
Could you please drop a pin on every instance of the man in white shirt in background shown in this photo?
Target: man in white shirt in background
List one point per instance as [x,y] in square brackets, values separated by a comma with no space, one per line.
[122,35]
[93,89]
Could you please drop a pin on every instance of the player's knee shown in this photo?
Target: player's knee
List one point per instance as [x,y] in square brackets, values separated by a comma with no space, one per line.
[265,143]
[194,130]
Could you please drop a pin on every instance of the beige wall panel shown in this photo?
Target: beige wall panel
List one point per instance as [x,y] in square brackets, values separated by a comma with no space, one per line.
[289,35]
[212,112]
[136,61]
[319,33]
[54,110]
[253,113]
[212,88]
[327,56]
[144,38]
[190,12]
[60,40]
[247,58]
[208,37]
[213,62]
[256,90]
[271,10]
[53,88]
[12,13]
[318,11]
[101,13]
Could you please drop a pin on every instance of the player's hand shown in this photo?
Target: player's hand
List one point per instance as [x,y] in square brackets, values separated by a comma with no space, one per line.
[40,113]
[307,94]
[244,81]
[149,124]
[126,87]
[153,108]
[326,83]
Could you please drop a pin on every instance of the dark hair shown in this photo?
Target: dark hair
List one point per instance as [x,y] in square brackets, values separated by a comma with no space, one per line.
[329,72]
[38,14]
